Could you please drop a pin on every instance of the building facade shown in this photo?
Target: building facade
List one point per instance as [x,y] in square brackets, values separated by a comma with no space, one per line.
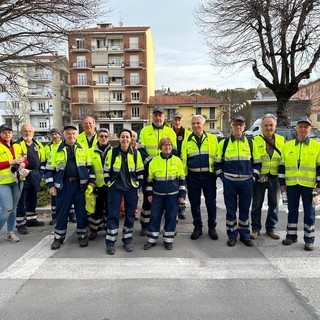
[215,111]
[40,94]
[111,75]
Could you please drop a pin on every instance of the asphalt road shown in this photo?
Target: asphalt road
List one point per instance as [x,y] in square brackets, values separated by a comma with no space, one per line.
[201,279]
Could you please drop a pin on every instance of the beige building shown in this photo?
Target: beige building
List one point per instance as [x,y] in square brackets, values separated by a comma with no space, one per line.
[215,111]
[112,75]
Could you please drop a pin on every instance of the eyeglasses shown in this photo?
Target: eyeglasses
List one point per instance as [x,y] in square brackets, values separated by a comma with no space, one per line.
[103,136]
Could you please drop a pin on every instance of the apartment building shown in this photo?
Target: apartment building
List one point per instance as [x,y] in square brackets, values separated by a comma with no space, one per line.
[111,75]
[40,94]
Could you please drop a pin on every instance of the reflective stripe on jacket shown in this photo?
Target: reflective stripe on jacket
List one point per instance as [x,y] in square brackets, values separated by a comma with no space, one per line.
[300,164]
[57,163]
[200,159]
[166,176]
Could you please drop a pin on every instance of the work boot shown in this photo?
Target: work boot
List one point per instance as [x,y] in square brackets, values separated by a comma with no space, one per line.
[83,242]
[197,232]
[288,241]
[254,234]
[55,245]
[274,235]
[213,233]
[111,249]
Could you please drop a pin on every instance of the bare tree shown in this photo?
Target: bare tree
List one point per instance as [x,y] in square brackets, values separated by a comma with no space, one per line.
[278,38]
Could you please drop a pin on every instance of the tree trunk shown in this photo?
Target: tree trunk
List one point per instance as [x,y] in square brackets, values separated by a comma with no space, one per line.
[282,112]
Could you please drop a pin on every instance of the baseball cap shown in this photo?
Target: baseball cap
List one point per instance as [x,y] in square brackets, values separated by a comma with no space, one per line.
[69,126]
[177,115]
[305,119]
[239,118]
[55,130]
[158,109]
[5,127]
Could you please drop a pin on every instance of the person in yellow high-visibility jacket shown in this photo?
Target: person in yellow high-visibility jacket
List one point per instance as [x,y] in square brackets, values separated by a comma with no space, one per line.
[299,175]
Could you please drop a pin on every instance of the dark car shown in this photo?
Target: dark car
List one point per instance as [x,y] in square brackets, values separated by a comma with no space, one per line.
[290,133]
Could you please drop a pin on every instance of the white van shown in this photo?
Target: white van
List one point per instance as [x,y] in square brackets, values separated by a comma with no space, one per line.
[255,129]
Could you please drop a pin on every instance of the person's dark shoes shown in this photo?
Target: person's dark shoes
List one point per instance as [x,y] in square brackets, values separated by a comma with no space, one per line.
[73,220]
[213,234]
[197,232]
[23,231]
[247,242]
[83,242]
[149,245]
[231,242]
[111,249]
[55,245]
[92,235]
[128,247]
[168,246]
[35,223]
[182,215]
[143,232]
[53,222]
[288,241]
[309,247]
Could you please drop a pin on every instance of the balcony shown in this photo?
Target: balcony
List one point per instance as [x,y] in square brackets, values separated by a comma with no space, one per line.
[38,93]
[40,77]
[136,47]
[82,83]
[80,64]
[134,65]
[80,48]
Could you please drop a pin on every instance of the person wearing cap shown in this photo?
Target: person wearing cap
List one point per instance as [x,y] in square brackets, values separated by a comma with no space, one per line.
[88,137]
[68,173]
[237,164]
[34,151]
[11,160]
[123,174]
[182,136]
[149,139]
[299,176]
[98,156]
[198,160]
[56,136]
[270,146]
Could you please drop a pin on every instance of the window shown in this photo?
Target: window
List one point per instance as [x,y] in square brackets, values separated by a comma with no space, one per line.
[134,61]
[81,62]
[105,126]
[15,105]
[101,43]
[42,124]
[116,60]
[134,78]
[117,127]
[212,113]
[212,125]
[103,78]
[42,106]
[117,96]
[135,112]
[80,43]
[82,112]
[82,96]
[134,43]
[318,117]
[198,110]
[135,96]
[136,127]
[103,96]
[82,79]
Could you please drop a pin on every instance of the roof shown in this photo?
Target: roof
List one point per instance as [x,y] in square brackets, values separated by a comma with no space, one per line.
[178,100]
[111,30]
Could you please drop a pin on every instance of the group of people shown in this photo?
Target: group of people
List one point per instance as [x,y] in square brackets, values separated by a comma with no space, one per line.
[84,170]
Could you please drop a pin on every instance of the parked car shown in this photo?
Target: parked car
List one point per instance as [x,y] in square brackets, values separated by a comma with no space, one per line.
[315,134]
[288,133]
[42,138]
[218,134]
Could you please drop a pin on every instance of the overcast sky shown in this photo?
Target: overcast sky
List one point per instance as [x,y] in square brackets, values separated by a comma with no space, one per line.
[181,59]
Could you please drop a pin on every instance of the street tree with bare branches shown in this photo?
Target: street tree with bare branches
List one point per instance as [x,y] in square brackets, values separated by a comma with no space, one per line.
[279,39]
[33,28]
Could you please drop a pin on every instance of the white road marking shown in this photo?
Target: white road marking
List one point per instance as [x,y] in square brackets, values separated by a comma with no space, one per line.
[39,263]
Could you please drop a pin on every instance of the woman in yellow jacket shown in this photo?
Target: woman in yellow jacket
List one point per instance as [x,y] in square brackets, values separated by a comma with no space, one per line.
[166,188]
[11,160]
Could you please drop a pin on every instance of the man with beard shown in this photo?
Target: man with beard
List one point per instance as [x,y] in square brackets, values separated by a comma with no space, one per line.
[34,151]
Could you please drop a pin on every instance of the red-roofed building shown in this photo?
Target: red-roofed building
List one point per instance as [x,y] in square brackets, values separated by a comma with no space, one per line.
[215,111]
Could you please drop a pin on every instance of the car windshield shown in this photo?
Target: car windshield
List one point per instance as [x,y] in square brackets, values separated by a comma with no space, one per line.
[315,133]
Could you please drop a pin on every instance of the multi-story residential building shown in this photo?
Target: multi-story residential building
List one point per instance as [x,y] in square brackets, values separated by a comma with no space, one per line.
[40,94]
[311,93]
[216,111]
[111,75]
